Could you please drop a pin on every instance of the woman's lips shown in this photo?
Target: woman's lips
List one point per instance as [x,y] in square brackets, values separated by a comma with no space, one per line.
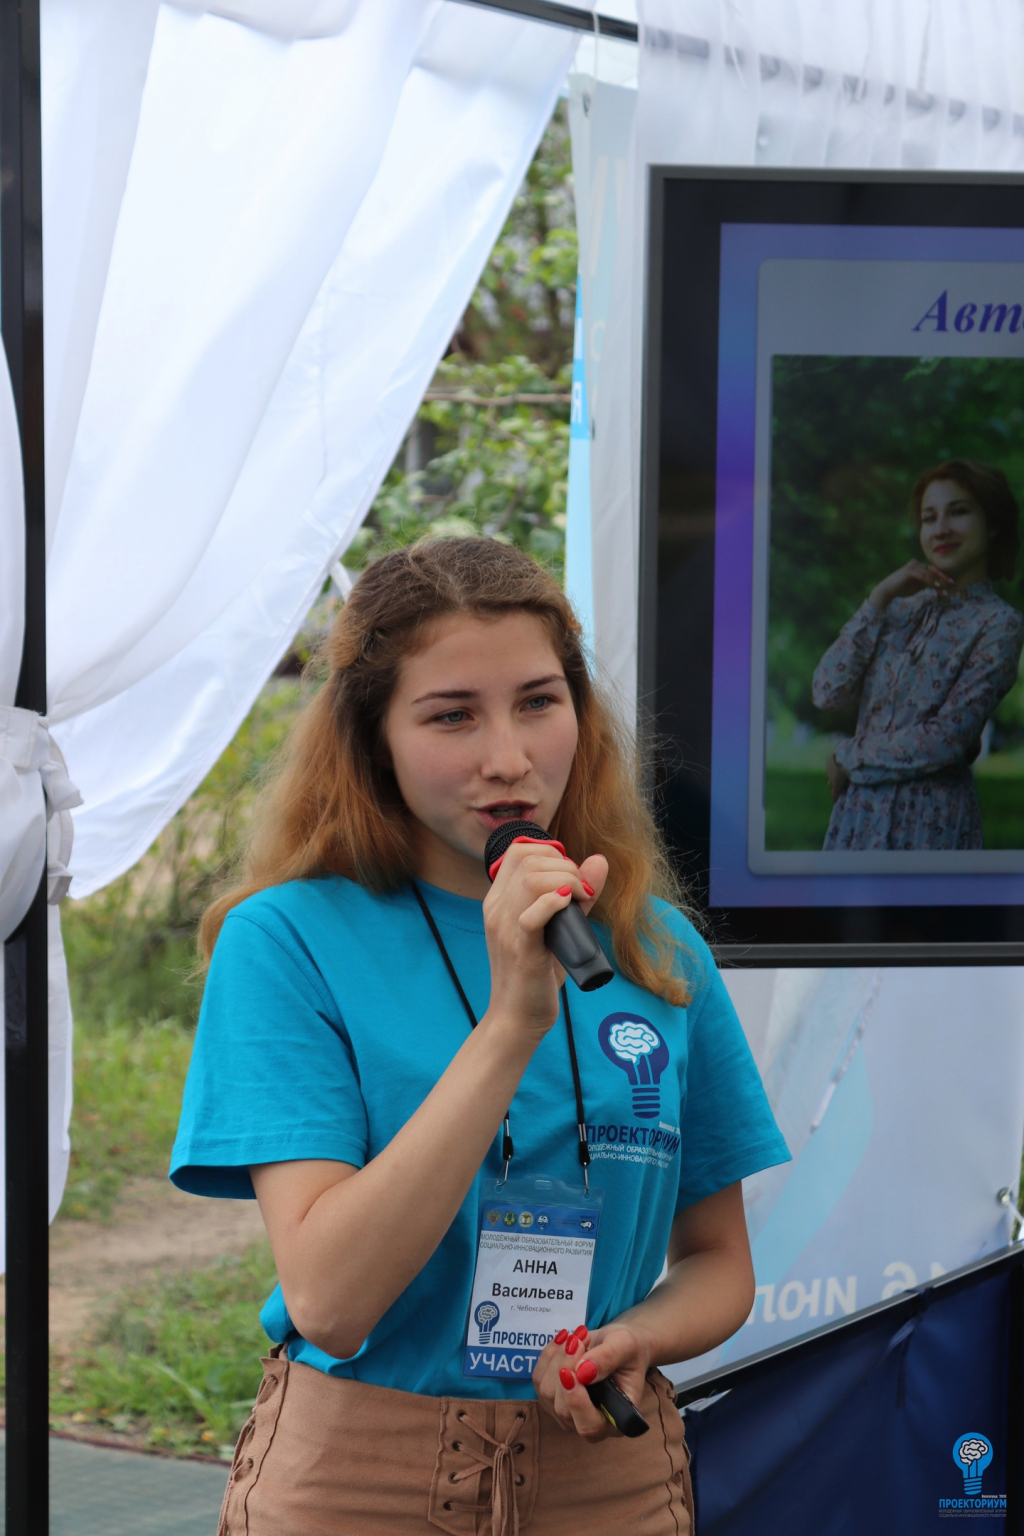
[492,816]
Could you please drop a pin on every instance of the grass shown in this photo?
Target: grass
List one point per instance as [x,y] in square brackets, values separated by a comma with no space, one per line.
[1002,810]
[126,962]
[798,805]
[174,1362]
[134,1000]
[128,1083]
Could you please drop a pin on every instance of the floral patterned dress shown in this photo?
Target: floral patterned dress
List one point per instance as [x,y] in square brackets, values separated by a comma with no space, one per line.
[931,671]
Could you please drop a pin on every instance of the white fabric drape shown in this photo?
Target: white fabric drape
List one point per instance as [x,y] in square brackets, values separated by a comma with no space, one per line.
[917,84]
[22,808]
[262,220]
[33,789]
[301,224]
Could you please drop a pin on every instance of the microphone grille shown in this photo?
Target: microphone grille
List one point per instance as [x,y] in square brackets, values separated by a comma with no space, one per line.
[502,838]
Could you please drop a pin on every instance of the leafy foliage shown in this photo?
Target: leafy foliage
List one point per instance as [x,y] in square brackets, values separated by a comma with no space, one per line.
[132,968]
[176,1358]
[489,450]
[525,303]
[850,435]
[131,946]
[128,1083]
[498,467]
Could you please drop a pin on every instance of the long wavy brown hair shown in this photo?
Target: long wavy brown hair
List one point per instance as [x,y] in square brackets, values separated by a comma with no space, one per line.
[333,806]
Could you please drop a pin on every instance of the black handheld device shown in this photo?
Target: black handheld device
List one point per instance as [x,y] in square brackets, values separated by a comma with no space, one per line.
[617,1409]
[568,935]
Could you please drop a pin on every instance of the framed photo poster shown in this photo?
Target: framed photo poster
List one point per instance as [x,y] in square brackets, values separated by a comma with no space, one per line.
[832,607]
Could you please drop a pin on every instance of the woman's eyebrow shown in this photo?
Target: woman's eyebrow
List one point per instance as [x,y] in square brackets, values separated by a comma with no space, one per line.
[540,682]
[471,693]
[447,693]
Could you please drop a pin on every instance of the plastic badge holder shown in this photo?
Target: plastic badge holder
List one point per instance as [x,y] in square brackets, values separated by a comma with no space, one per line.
[536,1240]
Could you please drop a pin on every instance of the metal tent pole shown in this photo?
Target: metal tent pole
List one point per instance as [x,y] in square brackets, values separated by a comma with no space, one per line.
[575,17]
[25,953]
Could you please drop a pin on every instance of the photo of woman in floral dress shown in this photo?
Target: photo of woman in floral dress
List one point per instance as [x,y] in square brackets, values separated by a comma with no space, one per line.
[930,653]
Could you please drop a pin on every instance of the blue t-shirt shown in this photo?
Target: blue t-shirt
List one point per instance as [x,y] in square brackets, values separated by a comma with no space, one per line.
[329,1015]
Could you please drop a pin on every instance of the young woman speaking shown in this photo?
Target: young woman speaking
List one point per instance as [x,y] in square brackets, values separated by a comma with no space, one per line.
[485,1191]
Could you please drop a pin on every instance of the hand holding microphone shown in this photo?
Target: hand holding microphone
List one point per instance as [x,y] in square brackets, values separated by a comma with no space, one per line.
[568,934]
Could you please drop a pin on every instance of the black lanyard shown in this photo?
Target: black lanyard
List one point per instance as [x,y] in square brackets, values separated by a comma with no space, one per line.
[507,1149]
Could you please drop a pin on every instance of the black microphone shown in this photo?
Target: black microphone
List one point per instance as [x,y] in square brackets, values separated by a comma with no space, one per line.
[568,935]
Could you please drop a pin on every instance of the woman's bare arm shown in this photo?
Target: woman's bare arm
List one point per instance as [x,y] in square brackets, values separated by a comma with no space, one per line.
[706,1295]
[348,1241]
[709,1289]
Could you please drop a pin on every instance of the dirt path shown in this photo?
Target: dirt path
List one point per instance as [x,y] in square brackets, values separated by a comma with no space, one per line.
[156,1229]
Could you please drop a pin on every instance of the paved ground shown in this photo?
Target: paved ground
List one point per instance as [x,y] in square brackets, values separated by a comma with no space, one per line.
[96,1492]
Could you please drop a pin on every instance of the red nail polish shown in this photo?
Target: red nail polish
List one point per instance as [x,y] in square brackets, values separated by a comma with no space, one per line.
[572,1344]
[567,1379]
[565,890]
[587,1372]
[561,1336]
[582,1331]
[588,887]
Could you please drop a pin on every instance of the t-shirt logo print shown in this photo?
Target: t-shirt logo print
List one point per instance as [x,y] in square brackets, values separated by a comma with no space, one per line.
[634,1046]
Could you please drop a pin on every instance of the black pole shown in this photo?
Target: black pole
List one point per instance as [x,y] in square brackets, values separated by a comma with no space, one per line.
[575,17]
[25,957]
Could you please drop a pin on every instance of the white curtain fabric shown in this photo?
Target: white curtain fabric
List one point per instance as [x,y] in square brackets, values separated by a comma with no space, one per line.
[12,545]
[918,84]
[22,808]
[33,790]
[262,220]
[301,221]
[58,1074]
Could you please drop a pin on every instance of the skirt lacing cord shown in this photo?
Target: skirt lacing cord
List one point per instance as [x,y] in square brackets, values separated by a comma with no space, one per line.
[504,1509]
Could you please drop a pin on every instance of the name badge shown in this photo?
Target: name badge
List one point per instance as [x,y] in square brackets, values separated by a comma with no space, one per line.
[535,1252]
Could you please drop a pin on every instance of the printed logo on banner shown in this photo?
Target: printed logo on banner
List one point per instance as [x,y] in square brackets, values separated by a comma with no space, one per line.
[972,1454]
[632,1044]
[485,1317]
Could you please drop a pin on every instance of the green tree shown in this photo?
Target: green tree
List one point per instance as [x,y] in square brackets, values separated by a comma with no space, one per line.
[525,303]
[489,449]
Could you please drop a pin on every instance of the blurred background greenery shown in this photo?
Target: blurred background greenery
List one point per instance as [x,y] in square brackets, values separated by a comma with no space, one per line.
[174,1361]
[850,435]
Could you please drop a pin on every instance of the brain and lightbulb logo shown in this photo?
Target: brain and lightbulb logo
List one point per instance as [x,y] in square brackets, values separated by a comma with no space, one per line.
[485,1317]
[634,1046]
[972,1453]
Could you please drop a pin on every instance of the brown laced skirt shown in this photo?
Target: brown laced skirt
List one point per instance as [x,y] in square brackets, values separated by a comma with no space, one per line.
[325,1456]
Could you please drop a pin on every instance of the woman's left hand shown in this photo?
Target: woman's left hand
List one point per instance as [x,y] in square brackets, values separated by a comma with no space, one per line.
[563,1373]
[838,778]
